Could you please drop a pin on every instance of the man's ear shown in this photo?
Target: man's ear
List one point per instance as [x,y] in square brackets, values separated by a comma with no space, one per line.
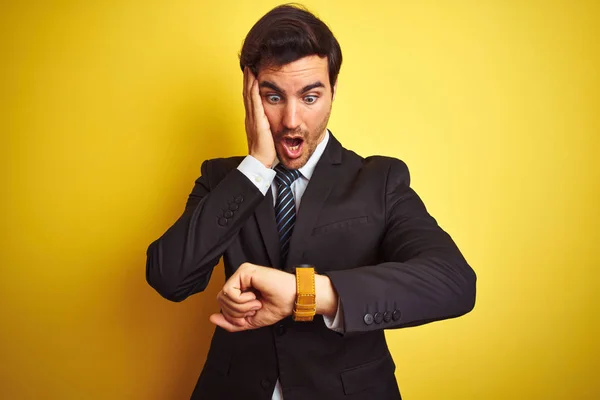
[334,90]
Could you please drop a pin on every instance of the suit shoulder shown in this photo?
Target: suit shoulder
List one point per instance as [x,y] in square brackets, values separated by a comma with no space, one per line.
[391,164]
[384,162]
[395,170]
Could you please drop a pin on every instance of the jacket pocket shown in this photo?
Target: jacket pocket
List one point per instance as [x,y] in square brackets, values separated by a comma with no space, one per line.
[362,377]
[340,225]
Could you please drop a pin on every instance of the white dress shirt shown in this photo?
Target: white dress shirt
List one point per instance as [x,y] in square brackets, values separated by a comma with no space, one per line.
[264,178]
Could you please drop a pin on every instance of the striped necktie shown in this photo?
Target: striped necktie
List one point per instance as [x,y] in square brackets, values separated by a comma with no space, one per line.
[285,207]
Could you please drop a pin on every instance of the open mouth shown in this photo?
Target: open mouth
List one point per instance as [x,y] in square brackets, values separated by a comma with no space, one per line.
[292,146]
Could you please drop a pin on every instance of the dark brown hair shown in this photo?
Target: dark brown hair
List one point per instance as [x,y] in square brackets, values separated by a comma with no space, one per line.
[286,34]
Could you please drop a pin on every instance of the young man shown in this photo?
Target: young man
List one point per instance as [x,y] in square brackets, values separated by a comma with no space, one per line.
[323,249]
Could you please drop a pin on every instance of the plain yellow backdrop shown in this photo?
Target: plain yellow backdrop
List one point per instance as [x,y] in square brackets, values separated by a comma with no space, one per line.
[108,109]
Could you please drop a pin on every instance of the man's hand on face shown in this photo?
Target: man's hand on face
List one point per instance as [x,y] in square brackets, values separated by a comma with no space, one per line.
[258,130]
[254,297]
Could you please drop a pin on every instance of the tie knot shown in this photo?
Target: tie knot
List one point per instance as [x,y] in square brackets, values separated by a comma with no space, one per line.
[286,176]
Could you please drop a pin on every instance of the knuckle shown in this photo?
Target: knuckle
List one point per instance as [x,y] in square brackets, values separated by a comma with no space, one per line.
[244,266]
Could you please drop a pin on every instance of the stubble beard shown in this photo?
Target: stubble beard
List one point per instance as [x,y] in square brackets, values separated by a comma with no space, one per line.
[309,147]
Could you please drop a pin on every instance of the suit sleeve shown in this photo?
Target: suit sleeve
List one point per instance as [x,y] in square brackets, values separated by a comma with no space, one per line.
[423,276]
[181,261]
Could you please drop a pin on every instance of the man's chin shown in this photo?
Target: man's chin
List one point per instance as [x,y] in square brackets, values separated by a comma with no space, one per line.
[293,163]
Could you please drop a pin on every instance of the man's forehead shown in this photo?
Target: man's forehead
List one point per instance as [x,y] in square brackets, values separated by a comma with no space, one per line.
[296,74]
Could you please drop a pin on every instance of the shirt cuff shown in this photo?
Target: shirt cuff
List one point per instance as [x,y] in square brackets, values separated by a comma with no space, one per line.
[337,322]
[261,176]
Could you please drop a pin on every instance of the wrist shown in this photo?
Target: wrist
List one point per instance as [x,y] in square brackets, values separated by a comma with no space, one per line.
[327,297]
[266,161]
[291,284]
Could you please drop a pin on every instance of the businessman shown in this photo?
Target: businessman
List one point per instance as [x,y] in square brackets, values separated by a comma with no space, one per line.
[323,249]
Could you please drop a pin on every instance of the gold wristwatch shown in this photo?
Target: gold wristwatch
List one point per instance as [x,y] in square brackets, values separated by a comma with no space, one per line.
[305,307]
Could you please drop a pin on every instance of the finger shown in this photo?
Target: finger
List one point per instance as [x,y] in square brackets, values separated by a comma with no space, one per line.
[245,297]
[236,295]
[253,305]
[250,313]
[256,100]
[251,98]
[248,94]
[245,89]
[232,325]
[244,86]
[249,76]
[245,302]
[237,321]
[239,310]
[234,313]
[241,322]
[260,118]
[236,290]
[220,320]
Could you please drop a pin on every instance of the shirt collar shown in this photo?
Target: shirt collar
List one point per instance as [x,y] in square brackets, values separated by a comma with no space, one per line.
[308,168]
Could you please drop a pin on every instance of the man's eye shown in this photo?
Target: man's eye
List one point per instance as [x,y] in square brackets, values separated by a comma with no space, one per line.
[273,98]
[310,99]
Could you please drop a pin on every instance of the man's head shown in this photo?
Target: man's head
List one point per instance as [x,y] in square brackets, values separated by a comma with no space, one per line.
[296,60]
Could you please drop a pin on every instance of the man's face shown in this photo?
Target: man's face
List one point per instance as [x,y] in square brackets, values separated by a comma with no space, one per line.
[297,100]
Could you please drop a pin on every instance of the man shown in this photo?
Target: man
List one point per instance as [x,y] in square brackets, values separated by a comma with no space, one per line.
[299,198]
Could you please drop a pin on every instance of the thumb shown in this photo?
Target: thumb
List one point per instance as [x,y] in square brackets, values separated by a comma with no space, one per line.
[219,320]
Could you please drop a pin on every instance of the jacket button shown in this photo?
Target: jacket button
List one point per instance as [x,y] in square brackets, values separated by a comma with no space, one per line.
[280,330]
[265,384]
[387,316]
[396,315]
[368,319]
[233,206]
[228,214]
[378,317]
[239,199]
[222,221]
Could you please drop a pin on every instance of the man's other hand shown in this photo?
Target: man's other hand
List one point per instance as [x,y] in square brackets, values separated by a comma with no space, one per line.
[258,130]
[255,296]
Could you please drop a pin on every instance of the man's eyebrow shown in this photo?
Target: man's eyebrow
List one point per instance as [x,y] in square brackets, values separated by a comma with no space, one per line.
[272,86]
[312,86]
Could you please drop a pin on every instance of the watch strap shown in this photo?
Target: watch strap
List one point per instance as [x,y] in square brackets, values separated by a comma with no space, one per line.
[305,306]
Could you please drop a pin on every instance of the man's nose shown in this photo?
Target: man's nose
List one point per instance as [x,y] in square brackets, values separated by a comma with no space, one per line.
[291,119]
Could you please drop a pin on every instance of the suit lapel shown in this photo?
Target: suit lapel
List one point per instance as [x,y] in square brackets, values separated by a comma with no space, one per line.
[315,195]
[265,217]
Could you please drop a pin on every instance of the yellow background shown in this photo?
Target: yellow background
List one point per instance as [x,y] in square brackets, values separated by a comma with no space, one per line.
[108,109]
